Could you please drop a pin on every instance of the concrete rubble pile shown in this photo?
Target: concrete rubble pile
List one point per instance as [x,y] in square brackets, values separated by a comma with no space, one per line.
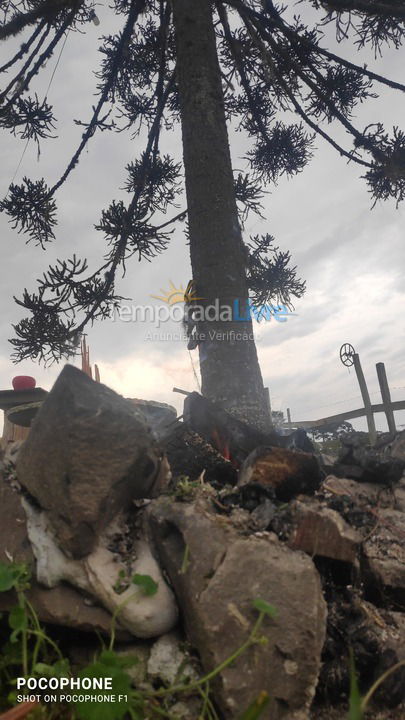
[90,499]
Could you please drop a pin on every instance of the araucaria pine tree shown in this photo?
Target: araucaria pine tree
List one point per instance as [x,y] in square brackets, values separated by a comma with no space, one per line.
[205,64]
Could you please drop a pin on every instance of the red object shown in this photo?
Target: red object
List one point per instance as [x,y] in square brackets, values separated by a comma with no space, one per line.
[24,382]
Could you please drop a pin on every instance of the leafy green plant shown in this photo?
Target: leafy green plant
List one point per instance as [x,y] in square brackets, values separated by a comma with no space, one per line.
[186,489]
[27,641]
[29,651]
[108,665]
[146,586]
[13,576]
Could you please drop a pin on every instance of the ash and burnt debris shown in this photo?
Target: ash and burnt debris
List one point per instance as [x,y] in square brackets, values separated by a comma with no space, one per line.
[254,514]
[210,439]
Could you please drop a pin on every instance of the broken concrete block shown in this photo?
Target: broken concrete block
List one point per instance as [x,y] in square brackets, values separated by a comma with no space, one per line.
[88,455]
[321,531]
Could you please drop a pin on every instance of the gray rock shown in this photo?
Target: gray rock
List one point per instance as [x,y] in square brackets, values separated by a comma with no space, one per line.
[398,446]
[88,455]
[159,416]
[216,575]
[384,553]
[262,515]
[168,662]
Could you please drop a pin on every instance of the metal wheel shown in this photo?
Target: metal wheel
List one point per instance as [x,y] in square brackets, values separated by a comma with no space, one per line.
[346,354]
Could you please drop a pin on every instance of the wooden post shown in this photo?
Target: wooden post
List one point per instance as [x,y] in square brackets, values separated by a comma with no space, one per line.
[288,416]
[366,400]
[386,396]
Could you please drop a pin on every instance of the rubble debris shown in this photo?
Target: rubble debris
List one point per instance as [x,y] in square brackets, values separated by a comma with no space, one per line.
[249,497]
[365,464]
[397,447]
[246,516]
[159,416]
[365,496]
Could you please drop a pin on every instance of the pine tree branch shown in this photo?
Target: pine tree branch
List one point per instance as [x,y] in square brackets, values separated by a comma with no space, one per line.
[368,7]
[359,137]
[298,41]
[364,71]
[180,216]
[314,126]
[48,9]
[20,77]
[243,77]
[24,47]
[118,256]
[24,85]
[134,12]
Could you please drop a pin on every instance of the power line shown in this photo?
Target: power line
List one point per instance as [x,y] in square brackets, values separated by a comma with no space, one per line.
[56,65]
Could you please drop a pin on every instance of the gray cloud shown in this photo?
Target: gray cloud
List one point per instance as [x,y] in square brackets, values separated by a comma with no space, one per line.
[352,258]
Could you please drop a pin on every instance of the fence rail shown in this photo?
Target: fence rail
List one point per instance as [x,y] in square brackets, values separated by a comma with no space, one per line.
[349,415]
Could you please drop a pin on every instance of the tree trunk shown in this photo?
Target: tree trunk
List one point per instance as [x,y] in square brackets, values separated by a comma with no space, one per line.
[230,371]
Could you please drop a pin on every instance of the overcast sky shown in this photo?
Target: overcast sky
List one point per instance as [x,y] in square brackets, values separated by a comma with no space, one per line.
[351,257]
